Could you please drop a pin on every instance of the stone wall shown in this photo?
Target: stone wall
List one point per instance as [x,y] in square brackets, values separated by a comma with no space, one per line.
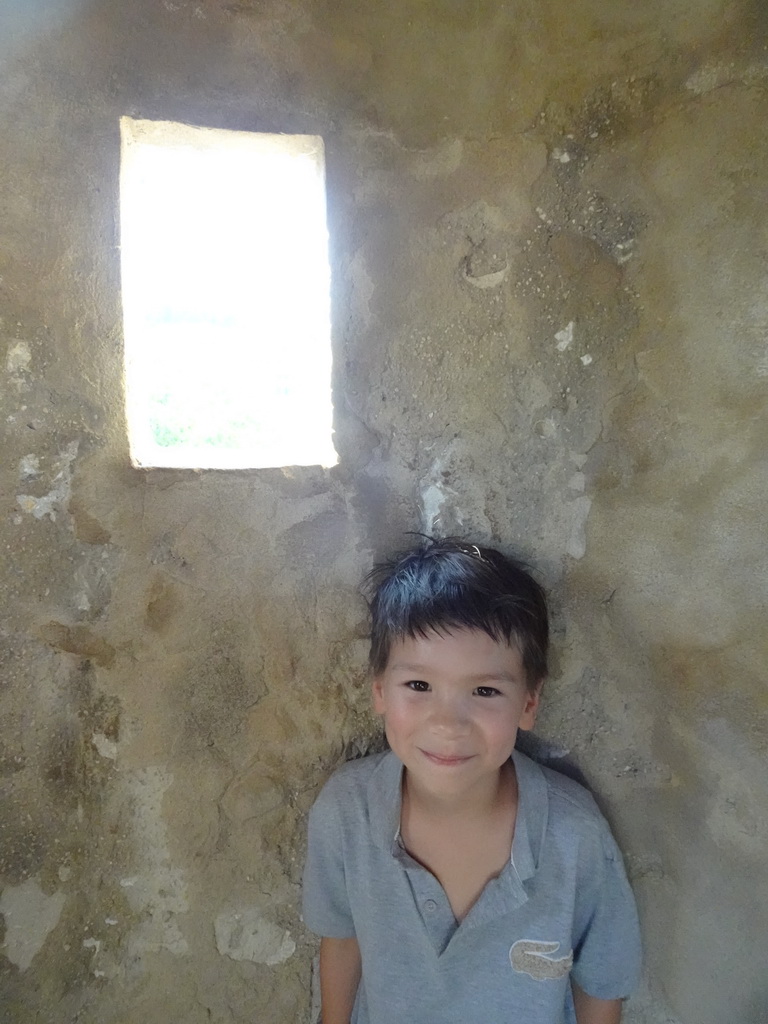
[549,247]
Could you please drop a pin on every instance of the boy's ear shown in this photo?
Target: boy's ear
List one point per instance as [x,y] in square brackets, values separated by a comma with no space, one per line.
[377,695]
[531,707]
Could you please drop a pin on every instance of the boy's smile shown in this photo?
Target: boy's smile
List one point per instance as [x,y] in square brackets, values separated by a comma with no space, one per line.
[452,704]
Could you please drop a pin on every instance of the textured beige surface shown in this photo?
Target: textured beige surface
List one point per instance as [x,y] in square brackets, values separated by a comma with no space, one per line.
[549,249]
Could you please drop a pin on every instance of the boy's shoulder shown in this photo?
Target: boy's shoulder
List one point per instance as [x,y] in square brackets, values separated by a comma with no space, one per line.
[569,793]
[361,801]
[351,779]
[573,810]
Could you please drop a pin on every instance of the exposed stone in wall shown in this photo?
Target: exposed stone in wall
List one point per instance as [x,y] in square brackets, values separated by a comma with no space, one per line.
[548,245]
[29,915]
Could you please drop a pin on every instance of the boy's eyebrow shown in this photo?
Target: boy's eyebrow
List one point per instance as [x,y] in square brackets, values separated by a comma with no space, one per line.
[481,677]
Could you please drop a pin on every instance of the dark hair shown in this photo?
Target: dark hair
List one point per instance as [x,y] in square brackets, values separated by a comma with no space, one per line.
[447,584]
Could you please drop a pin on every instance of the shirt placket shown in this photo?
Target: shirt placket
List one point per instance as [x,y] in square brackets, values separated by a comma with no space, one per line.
[429,898]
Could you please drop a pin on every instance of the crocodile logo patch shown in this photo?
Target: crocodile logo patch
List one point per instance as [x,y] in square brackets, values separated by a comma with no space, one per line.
[530,957]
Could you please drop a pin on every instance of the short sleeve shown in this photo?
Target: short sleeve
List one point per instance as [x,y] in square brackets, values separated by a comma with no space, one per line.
[325,902]
[607,954]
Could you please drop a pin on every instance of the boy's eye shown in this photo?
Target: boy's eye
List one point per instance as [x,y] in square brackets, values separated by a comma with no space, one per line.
[487,691]
[417,685]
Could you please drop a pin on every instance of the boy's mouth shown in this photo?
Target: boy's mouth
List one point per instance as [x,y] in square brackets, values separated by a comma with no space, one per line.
[446,760]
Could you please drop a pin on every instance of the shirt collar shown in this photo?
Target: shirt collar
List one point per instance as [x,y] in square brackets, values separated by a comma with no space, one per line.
[385,788]
[532,813]
[385,798]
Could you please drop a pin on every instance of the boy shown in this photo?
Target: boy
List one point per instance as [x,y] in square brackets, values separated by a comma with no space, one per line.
[452,879]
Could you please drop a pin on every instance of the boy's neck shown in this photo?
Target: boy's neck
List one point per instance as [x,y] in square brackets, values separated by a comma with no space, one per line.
[477,804]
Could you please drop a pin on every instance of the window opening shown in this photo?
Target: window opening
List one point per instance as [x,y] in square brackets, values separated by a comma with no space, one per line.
[226,297]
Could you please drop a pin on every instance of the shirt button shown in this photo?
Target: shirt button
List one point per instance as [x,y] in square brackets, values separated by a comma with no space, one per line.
[430,906]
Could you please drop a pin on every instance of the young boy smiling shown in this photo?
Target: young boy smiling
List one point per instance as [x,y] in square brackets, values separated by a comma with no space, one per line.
[452,879]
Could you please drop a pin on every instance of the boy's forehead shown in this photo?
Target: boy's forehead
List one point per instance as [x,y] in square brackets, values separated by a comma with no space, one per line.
[459,646]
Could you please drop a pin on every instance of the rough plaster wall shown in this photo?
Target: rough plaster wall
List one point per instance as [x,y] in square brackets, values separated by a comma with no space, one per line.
[549,249]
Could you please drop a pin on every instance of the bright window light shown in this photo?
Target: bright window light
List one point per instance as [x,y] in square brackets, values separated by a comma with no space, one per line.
[225,297]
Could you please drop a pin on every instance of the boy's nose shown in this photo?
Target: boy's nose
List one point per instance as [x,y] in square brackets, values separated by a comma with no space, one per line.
[450,718]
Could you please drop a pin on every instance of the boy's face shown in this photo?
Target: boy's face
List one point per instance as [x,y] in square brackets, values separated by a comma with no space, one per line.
[452,705]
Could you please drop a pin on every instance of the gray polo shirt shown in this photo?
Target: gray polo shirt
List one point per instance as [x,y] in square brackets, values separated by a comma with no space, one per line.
[561,908]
